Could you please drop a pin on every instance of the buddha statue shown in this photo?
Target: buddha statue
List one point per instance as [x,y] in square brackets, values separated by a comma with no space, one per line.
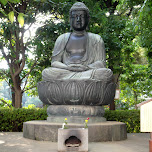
[78,73]
[80,54]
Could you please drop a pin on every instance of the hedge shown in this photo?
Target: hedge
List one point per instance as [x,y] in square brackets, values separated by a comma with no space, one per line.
[11,120]
[130,117]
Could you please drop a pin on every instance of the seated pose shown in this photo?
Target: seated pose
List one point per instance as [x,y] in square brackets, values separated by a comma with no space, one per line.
[78,55]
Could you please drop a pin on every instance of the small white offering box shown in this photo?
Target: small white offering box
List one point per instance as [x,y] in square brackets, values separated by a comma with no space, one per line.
[73,139]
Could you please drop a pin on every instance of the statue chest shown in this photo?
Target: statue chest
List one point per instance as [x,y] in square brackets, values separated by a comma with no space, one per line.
[76,47]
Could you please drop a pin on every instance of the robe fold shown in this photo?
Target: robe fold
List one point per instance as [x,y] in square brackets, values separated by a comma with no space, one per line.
[95,52]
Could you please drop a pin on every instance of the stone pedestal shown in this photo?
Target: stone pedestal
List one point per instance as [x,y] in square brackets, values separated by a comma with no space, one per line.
[75,110]
[76,92]
[75,113]
[98,132]
[98,128]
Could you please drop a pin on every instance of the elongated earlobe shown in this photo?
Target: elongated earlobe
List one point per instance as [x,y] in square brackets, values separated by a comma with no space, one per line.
[71,25]
[87,28]
[71,29]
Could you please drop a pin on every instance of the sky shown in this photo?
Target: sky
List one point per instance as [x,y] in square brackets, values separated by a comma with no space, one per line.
[3,65]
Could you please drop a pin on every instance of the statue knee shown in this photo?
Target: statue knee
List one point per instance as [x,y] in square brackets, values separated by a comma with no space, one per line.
[104,74]
[46,74]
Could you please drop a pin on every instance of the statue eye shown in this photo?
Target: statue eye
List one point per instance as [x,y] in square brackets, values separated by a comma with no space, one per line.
[77,15]
[74,15]
[82,16]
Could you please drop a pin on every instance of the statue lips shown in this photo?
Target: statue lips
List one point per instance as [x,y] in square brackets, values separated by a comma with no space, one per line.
[79,24]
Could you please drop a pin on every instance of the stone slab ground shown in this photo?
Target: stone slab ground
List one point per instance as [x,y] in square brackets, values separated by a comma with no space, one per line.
[14,142]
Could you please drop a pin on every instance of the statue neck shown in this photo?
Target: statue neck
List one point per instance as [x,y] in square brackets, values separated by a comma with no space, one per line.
[79,33]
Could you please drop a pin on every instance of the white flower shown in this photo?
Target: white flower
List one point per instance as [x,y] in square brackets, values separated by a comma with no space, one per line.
[63,125]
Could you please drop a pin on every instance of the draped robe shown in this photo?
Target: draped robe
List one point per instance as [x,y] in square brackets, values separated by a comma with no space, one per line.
[94,58]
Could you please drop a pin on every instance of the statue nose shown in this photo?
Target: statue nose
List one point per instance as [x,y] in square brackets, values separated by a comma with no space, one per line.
[78,18]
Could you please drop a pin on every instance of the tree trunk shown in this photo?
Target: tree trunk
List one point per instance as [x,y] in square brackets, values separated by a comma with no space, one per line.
[112,105]
[18,92]
[13,96]
[116,80]
[18,98]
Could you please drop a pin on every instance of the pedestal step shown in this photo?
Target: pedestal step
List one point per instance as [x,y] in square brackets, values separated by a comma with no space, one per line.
[98,132]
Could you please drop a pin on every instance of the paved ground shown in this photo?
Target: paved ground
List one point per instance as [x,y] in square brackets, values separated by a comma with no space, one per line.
[14,142]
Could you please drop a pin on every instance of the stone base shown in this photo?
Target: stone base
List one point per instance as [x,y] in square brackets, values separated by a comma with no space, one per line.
[75,119]
[75,110]
[98,132]
[75,113]
[77,92]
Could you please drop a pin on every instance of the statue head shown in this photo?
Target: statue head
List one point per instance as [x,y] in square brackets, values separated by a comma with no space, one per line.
[79,16]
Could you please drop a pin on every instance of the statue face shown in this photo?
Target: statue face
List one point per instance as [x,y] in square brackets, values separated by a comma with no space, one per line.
[79,20]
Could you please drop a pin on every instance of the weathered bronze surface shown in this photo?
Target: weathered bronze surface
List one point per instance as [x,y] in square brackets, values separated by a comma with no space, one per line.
[78,73]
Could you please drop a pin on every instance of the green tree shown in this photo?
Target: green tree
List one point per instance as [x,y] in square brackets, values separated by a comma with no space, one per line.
[16,19]
[15,14]
[145,27]
[141,13]
[136,80]
[136,84]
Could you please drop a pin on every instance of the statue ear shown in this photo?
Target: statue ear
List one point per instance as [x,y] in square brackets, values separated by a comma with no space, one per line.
[71,25]
[71,29]
[87,28]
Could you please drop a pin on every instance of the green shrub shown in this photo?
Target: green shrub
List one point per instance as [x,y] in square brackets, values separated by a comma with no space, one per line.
[130,117]
[12,119]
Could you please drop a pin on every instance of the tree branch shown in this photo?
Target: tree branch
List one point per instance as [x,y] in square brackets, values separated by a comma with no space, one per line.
[23,56]
[6,81]
[128,14]
[28,27]
[12,7]
[29,88]
[3,72]
[27,75]
[5,103]
[5,56]
[7,59]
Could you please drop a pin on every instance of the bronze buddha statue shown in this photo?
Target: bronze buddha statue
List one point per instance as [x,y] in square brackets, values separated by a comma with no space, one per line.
[78,56]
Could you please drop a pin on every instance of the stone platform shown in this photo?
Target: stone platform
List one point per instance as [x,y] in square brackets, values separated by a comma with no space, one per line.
[98,132]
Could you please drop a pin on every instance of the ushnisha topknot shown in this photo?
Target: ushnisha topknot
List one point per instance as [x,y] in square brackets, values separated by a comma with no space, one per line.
[79,6]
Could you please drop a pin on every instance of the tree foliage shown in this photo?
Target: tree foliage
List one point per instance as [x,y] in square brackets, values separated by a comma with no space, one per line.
[136,80]
[14,46]
[124,25]
[136,85]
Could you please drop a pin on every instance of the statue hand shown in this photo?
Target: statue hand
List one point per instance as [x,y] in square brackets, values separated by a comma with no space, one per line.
[77,67]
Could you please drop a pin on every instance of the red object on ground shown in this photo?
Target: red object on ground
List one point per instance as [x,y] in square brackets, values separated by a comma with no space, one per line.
[150,143]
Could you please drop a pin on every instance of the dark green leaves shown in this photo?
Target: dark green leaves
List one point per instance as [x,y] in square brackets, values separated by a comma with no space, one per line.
[4,2]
